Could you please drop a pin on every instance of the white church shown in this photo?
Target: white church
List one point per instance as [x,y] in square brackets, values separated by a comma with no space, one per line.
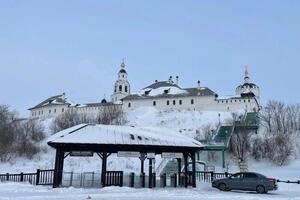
[163,95]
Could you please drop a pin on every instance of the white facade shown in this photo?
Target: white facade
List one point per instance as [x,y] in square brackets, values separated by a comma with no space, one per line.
[163,95]
[167,95]
[121,87]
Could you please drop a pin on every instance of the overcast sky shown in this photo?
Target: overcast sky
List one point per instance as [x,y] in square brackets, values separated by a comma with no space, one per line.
[50,47]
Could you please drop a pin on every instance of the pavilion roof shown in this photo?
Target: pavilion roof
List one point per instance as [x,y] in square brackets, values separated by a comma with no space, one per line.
[122,135]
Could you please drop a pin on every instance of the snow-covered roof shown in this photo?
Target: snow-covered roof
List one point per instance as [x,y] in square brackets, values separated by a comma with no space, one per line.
[123,135]
[54,100]
[166,89]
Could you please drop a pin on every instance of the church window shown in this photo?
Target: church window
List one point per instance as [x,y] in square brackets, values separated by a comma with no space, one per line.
[174,102]
[180,102]
[126,88]
[192,101]
[226,101]
[62,110]
[244,101]
[230,101]
[129,105]
[222,101]
[240,100]
[115,88]
[168,102]
[49,111]
[234,100]
[55,110]
[123,76]
[120,88]
[154,103]
[249,100]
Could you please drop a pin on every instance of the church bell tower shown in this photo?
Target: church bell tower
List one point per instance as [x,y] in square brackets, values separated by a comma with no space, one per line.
[122,87]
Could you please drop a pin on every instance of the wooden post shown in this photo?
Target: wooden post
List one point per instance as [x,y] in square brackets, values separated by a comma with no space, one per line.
[179,170]
[142,166]
[37,180]
[21,177]
[58,169]
[150,172]
[193,169]
[185,157]
[71,179]
[103,173]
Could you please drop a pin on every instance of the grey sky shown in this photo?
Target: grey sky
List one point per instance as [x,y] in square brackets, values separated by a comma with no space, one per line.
[50,47]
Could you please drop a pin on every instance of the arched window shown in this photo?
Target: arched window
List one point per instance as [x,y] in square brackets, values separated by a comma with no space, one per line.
[120,88]
[115,88]
[126,88]
[174,102]
[168,102]
[180,102]
[129,105]
[154,103]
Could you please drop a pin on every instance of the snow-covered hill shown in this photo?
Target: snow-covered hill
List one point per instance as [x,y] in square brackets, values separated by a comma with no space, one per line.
[186,122]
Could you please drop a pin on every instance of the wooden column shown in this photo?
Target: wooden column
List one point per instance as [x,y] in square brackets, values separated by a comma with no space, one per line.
[193,169]
[185,157]
[58,168]
[150,173]
[103,169]
[179,170]
[142,158]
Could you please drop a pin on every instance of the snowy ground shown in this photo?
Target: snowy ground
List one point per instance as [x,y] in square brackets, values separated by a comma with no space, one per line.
[203,191]
[25,192]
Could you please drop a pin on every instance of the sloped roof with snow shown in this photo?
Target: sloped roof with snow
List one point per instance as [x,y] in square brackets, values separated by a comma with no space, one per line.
[166,89]
[54,100]
[123,135]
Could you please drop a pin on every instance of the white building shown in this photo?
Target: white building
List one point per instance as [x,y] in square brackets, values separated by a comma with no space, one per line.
[168,95]
[121,87]
[163,95]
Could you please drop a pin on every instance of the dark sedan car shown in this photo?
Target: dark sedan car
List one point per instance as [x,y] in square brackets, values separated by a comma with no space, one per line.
[248,181]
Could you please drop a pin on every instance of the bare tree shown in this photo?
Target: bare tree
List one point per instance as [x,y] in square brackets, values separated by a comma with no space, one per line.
[239,143]
[111,114]
[18,137]
[68,119]
[280,125]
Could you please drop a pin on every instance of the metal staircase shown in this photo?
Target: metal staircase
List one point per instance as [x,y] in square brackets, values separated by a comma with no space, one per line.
[221,140]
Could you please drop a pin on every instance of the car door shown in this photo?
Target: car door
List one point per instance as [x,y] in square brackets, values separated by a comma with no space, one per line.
[250,181]
[235,181]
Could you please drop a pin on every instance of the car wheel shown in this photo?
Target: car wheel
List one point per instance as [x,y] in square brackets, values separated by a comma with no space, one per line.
[260,189]
[222,186]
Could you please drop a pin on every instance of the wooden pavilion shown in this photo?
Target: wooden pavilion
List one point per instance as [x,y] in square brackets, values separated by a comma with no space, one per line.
[104,140]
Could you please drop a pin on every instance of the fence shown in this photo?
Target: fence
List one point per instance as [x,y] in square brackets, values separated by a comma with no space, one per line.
[41,177]
[205,176]
[117,178]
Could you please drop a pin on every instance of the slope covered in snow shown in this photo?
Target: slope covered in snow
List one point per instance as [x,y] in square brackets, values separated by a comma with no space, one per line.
[185,122]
